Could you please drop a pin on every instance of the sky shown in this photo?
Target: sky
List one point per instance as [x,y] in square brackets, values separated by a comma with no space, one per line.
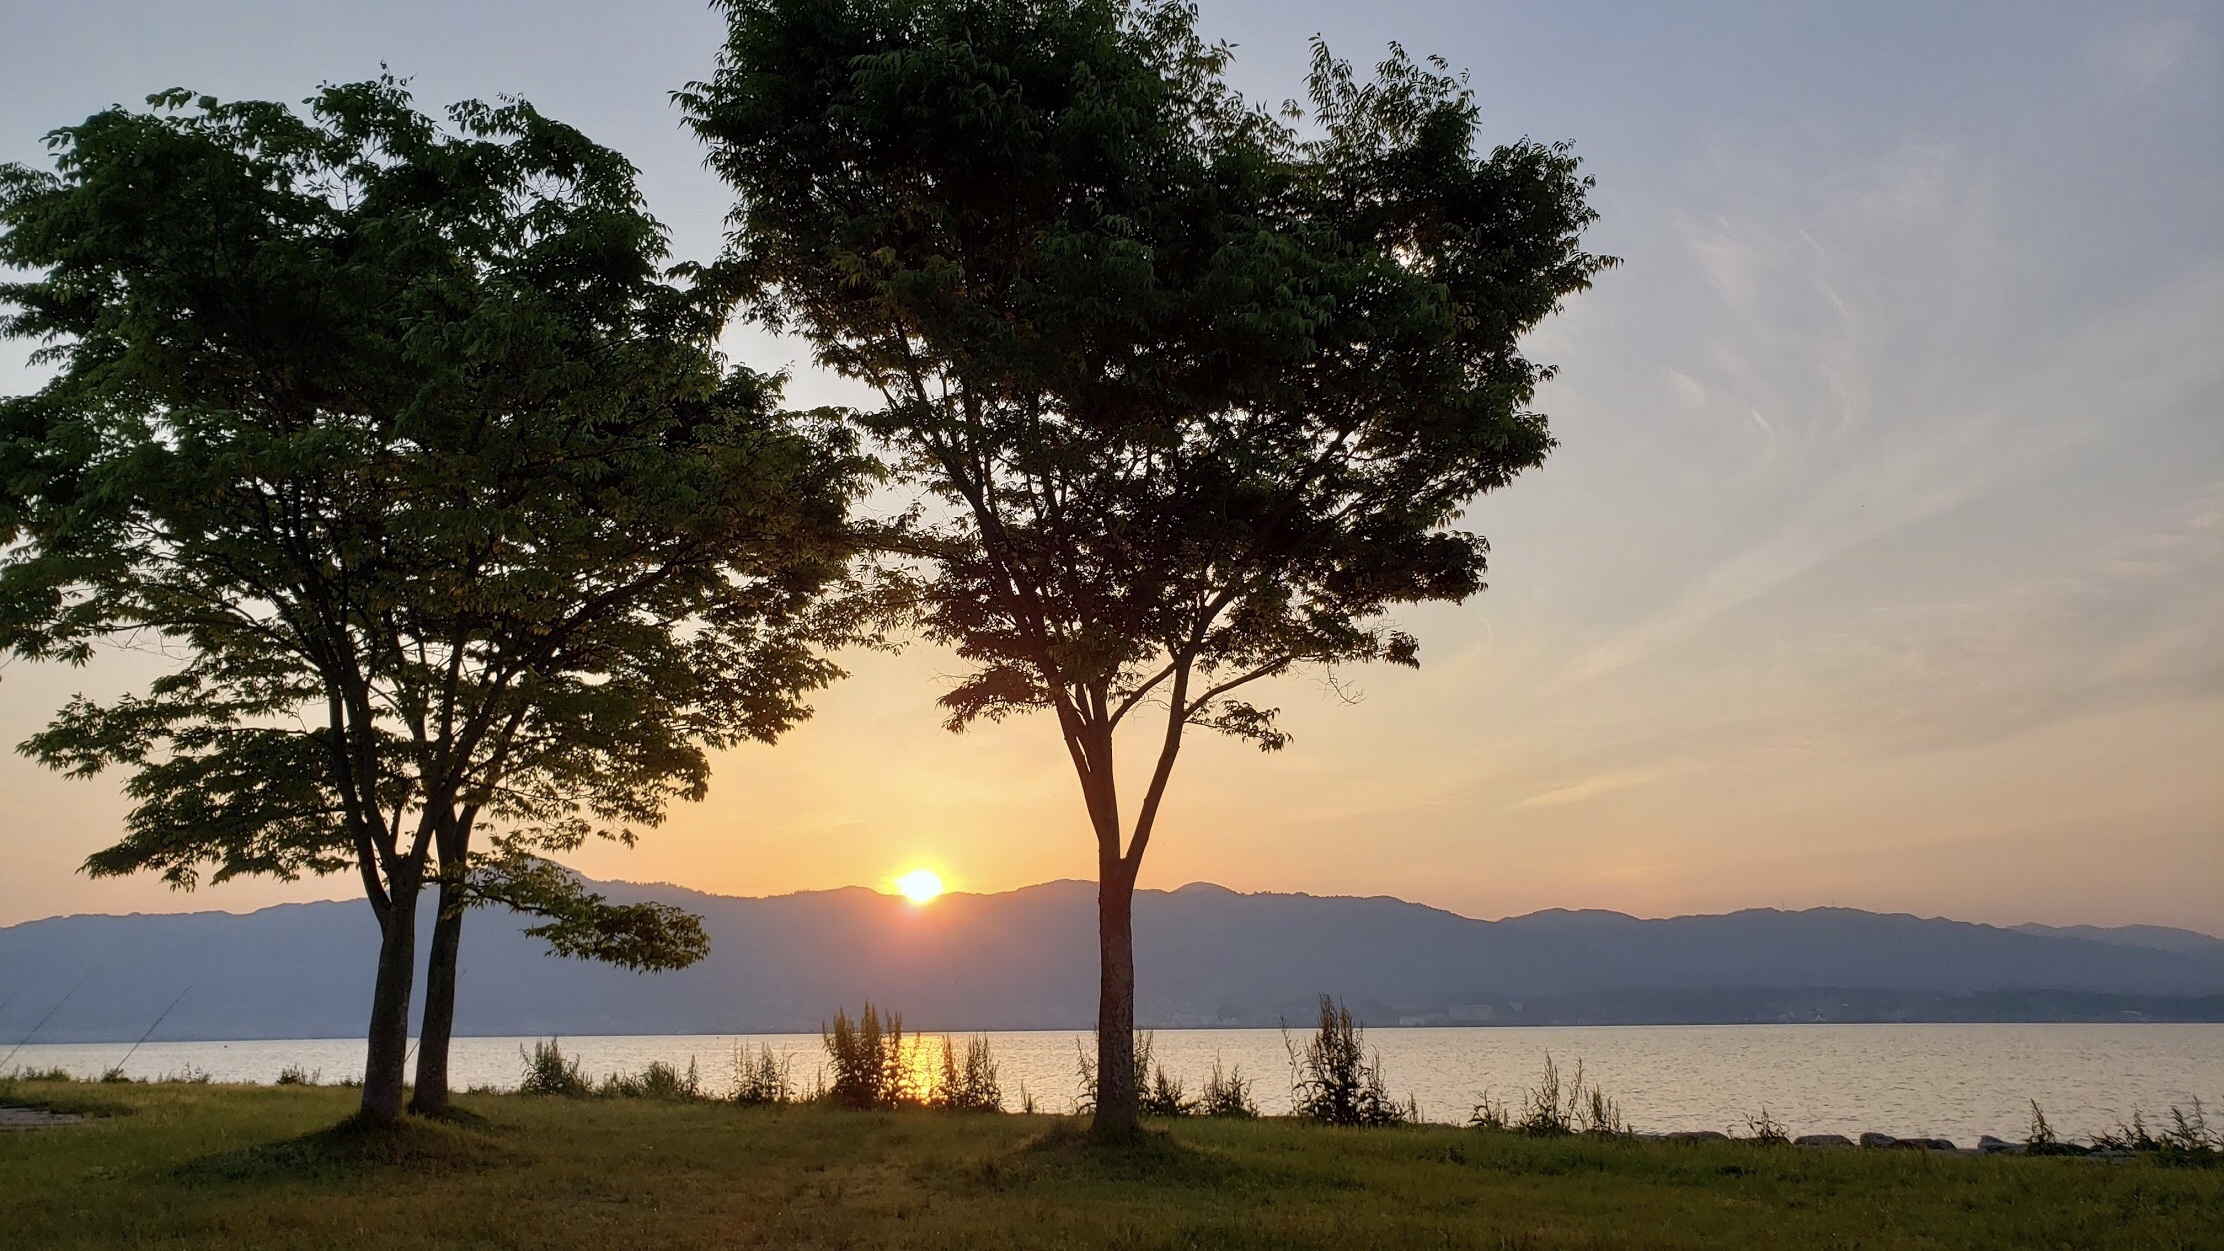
[1881,564]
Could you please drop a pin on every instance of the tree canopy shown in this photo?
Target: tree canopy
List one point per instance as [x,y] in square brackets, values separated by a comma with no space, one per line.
[1197,392]
[401,439]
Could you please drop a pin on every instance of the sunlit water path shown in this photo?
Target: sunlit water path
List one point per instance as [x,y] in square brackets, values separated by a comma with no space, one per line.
[1955,1081]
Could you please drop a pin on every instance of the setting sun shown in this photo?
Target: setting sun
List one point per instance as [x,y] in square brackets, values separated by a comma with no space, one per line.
[920,885]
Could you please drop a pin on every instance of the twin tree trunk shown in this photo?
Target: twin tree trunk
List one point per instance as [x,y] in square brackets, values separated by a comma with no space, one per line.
[385,1063]
[388,1052]
[431,1095]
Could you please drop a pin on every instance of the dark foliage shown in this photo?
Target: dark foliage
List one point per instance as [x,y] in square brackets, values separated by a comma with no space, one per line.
[399,437]
[1193,397]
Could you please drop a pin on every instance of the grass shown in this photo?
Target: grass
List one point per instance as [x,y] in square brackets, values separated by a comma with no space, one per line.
[272,1166]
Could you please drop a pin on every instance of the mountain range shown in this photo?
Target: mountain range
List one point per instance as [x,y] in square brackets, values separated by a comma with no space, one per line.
[1025,959]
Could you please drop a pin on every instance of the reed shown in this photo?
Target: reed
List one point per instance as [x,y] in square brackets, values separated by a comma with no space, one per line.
[869,1061]
[2041,1139]
[55,1074]
[658,1081]
[1766,1130]
[548,1071]
[1163,1094]
[971,1086]
[761,1078]
[1336,1080]
[2187,1139]
[2190,1132]
[1085,1069]
[1227,1094]
[1166,1096]
[1561,1107]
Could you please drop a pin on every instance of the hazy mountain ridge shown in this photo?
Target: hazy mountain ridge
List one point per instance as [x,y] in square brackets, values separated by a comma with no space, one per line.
[2158,937]
[1026,959]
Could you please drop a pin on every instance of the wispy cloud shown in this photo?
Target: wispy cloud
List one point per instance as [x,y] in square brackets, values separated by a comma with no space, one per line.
[2135,621]
[2147,54]
[1891,431]
[1593,787]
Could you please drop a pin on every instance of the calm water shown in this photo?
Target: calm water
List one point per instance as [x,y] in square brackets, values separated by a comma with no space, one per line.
[1954,1081]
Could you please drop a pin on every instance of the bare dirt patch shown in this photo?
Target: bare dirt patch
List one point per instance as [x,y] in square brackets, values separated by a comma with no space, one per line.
[36,1118]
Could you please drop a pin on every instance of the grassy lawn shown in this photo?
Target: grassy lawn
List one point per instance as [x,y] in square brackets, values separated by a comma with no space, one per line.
[186,1166]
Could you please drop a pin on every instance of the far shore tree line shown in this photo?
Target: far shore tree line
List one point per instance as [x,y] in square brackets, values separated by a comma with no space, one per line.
[407,440]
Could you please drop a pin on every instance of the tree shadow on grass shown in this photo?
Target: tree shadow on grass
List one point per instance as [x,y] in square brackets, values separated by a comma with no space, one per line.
[1066,1154]
[454,1143]
[49,1097]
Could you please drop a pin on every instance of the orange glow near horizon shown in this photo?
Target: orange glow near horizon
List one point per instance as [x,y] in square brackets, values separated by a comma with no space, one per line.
[920,886]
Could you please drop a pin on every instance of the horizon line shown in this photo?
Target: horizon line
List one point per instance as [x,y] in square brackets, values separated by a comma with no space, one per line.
[1071,881]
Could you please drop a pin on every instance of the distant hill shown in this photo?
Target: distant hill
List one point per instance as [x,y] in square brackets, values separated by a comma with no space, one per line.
[2158,937]
[1025,959]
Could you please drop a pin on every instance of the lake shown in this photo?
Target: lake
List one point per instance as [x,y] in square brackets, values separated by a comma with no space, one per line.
[1952,1081]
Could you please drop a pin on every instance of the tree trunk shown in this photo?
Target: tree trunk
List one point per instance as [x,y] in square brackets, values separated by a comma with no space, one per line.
[1117,1111]
[431,1095]
[388,1053]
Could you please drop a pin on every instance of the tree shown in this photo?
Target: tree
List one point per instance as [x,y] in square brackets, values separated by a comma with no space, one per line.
[399,436]
[1196,397]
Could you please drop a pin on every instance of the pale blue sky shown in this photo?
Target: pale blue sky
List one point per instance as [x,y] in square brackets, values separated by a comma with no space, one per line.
[1882,563]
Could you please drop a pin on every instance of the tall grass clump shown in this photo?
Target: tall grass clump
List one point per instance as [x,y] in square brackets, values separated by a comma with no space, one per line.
[761,1078]
[1227,1093]
[971,1086]
[1336,1080]
[295,1075]
[1085,1070]
[2132,1137]
[867,1056]
[1157,1092]
[1490,1115]
[1764,1129]
[1165,1096]
[55,1074]
[1558,1107]
[2190,1132]
[2041,1139]
[548,1071]
[658,1081]
[2186,1140]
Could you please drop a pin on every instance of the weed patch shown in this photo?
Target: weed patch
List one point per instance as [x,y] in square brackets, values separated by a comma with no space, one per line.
[548,1071]
[1337,1081]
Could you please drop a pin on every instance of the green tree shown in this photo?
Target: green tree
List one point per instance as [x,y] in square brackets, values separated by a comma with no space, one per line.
[399,435]
[1196,393]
